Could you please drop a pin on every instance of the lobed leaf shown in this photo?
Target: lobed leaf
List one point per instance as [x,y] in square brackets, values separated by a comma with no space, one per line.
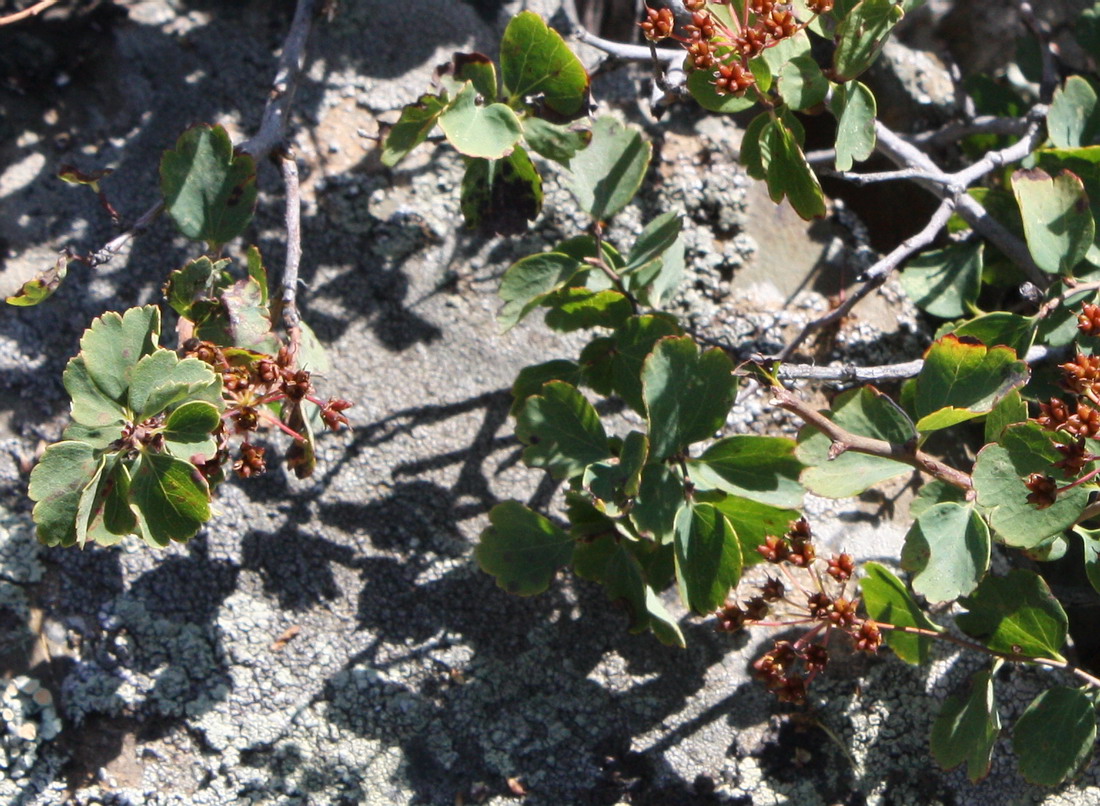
[888,602]
[171,498]
[801,83]
[788,174]
[752,521]
[501,196]
[947,551]
[761,468]
[999,474]
[961,380]
[1054,737]
[1058,225]
[529,280]
[945,282]
[209,191]
[861,35]
[412,128]
[488,132]
[855,108]
[687,394]
[708,557]
[660,496]
[56,485]
[522,549]
[562,431]
[966,729]
[1073,120]
[1015,614]
[535,61]
[42,286]
[114,344]
[608,173]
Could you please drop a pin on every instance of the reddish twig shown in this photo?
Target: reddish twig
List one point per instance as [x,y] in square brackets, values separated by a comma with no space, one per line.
[844,440]
[30,11]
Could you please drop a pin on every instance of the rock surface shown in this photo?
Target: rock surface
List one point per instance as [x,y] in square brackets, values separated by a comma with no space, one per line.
[333,642]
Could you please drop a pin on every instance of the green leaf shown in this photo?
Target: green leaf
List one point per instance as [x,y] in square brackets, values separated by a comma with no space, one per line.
[612,563]
[534,60]
[866,412]
[553,141]
[1087,29]
[254,265]
[171,497]
[479,70]
[576,308]
[488,132]
[1015,614]
[961,380]
[1054,737]
[932,493]
[945,282]
[42,285]
[90,407]
[114,344]
[412,128]
[861,35]
[632,343]
[999,328]
[161,380]
[56,485]
[801,83]
[764,469]
[708,557]
[659,235]
[500,196]
[753,522]
[1072,120]
[1058,225]
[788,174]
[660,496]
[530,380]
[700,84]
[104,514]
[755,152]
[999,474]
[209,191]
[687,394]
[855,108]
[529,280]
[656,282]
[188,430]
[1091,542]
[1010,410]
[198,281]
[888,602]
[946,551]
[608,173]
[522,549]
[615,481]
[966,729]
[562,431]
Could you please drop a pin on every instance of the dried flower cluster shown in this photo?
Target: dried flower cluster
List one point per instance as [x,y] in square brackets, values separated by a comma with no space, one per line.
[819,601]
[724,44]
[1076,419]
[250,384]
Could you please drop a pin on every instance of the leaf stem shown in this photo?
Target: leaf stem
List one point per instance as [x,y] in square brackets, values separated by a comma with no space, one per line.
[1014,657]
[844,440]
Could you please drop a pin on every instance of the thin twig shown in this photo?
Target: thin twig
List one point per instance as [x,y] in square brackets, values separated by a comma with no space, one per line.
[291,62]
[632,53]
[850,373]
[1052,304]
[269,135]
[844,440]
[31,11]
[291,318]
[907,155]
[1014,657]
[877,274]
[105,253]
